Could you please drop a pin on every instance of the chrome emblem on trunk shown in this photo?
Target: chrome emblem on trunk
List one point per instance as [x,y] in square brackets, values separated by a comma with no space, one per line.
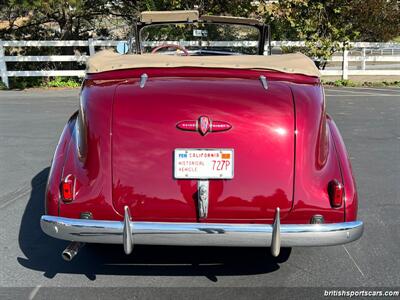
[203,125]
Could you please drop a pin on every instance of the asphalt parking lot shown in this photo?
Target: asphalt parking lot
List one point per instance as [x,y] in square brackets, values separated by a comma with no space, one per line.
[30,124]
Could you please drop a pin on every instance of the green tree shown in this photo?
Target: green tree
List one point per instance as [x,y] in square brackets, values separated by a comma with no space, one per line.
[240,8]
[51,19]
[376,20]
[79,19]
[320,23]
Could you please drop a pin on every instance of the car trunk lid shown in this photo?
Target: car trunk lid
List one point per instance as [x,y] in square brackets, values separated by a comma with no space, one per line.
[145,135]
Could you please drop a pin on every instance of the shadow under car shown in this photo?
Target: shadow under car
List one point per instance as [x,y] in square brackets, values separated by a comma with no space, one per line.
[43,253]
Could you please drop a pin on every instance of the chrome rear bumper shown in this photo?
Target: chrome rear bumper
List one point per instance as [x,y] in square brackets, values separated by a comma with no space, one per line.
[129,233]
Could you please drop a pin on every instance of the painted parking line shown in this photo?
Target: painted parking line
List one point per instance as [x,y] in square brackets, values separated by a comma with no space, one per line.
[367,91]
[390,89]
[351,92]
[359,92]
[33,293]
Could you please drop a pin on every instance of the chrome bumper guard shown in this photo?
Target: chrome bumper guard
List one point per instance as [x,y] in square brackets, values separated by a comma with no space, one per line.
[129,233]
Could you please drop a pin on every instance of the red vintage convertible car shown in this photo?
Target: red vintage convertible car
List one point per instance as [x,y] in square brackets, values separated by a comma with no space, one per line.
[207,143]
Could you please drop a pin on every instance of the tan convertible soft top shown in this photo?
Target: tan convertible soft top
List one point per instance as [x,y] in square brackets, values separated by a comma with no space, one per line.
[296,63]
[169,16]
[191,16]
[229,19]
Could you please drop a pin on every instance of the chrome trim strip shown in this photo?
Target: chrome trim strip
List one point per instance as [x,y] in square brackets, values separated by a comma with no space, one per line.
[264,82]
[201,234]
[276,234]
[143,80]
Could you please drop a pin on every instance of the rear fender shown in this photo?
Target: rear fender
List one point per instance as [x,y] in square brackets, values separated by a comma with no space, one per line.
[53,182]
[88,157]
[316,161]
[351,199]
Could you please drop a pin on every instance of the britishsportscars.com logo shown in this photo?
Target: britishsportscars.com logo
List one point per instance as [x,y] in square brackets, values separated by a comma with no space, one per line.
[361,293]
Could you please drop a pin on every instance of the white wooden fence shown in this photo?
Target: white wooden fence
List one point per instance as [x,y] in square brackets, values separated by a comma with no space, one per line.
[344,58]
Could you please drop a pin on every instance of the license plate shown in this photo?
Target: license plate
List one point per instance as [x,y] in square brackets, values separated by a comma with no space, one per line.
[203,163]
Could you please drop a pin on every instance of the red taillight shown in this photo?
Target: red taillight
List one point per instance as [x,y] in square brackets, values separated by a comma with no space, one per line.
[335,191]
[67,189]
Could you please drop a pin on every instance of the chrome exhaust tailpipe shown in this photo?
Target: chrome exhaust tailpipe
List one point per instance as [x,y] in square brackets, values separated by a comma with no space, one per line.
[73,248]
